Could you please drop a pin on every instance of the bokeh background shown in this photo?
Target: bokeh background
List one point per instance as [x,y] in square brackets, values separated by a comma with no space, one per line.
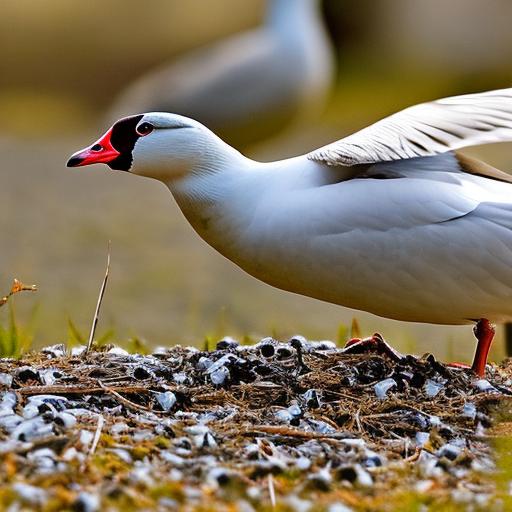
[64,61]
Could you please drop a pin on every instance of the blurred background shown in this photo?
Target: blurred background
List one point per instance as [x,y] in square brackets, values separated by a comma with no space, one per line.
[63,64]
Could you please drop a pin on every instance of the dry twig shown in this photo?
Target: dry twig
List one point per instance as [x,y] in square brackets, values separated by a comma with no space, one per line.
[17,286]
[97,434]
[62,389]
[98,304]
[271,490]
[125,401]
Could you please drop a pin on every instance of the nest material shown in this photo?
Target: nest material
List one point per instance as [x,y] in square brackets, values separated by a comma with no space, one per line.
[333,418]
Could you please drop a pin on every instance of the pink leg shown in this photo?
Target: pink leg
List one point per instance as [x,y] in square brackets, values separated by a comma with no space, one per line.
[484,332]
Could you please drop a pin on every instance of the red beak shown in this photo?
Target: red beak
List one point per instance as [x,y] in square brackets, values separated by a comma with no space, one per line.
[101,152]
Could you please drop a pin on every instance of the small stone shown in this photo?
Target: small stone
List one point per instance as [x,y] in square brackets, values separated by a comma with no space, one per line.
[252,451]
[432,388]
[323,345]
[30,411]
[10,446]
[449,450]
[30,430]
[382,387]
[434,421]
[160,351]
[175,475]
[9,400]
[428,465]
[59,402]
[86,437]
[311,399]
[86,502]
[44,458]
[204,363]
[253,492]
[172,458]
[297,504]
[54,351]
[71,454]
[364,479]
[78,351]
[484,385]
[339,507]
[355,474]
[183,443]
[469,410]
[283,415]
[181,378]
[321,427]
[142,474]
[5,379]
[302,463]
[30,494]
[322,479]
[424,486]
[295,410]
[422,438]
[167,504]
[223,361]
[372,459]
[218,476]
[49,376]
[206,441]
[227,343]
[462,496]
[220,376]
[122,454]
[166,400]
[143,435]
[118,428]
[118,351]
[203,437]
[10,421]
[65,420]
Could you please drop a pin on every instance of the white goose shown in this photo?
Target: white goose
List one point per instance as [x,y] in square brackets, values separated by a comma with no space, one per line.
[389,220]
[248,86]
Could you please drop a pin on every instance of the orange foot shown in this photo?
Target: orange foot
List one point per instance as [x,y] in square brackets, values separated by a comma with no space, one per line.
[375,343]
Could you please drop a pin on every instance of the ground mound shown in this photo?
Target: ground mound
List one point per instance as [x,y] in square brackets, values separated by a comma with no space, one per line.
[298,425]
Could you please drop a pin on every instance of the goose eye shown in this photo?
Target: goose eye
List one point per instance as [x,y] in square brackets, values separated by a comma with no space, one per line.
[144,129]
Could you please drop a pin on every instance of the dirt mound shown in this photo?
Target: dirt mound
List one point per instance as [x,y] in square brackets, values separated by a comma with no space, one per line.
[302,424]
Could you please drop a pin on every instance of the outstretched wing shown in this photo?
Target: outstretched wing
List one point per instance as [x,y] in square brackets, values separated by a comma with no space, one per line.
[426,129]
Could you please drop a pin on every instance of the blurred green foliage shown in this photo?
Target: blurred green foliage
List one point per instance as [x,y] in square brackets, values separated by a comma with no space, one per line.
[16,339]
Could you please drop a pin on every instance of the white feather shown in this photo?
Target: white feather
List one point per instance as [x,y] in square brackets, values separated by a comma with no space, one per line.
[426,129]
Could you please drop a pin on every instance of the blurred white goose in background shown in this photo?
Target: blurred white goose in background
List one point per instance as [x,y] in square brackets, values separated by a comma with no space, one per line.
[388,220]
[249,86]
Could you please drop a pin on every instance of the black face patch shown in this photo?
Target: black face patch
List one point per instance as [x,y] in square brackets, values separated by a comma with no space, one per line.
[123,139]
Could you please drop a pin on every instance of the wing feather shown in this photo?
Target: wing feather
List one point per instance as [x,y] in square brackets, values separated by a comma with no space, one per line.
[426,129]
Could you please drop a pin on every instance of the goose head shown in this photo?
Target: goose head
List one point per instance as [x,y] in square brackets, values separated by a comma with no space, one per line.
[155,145]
